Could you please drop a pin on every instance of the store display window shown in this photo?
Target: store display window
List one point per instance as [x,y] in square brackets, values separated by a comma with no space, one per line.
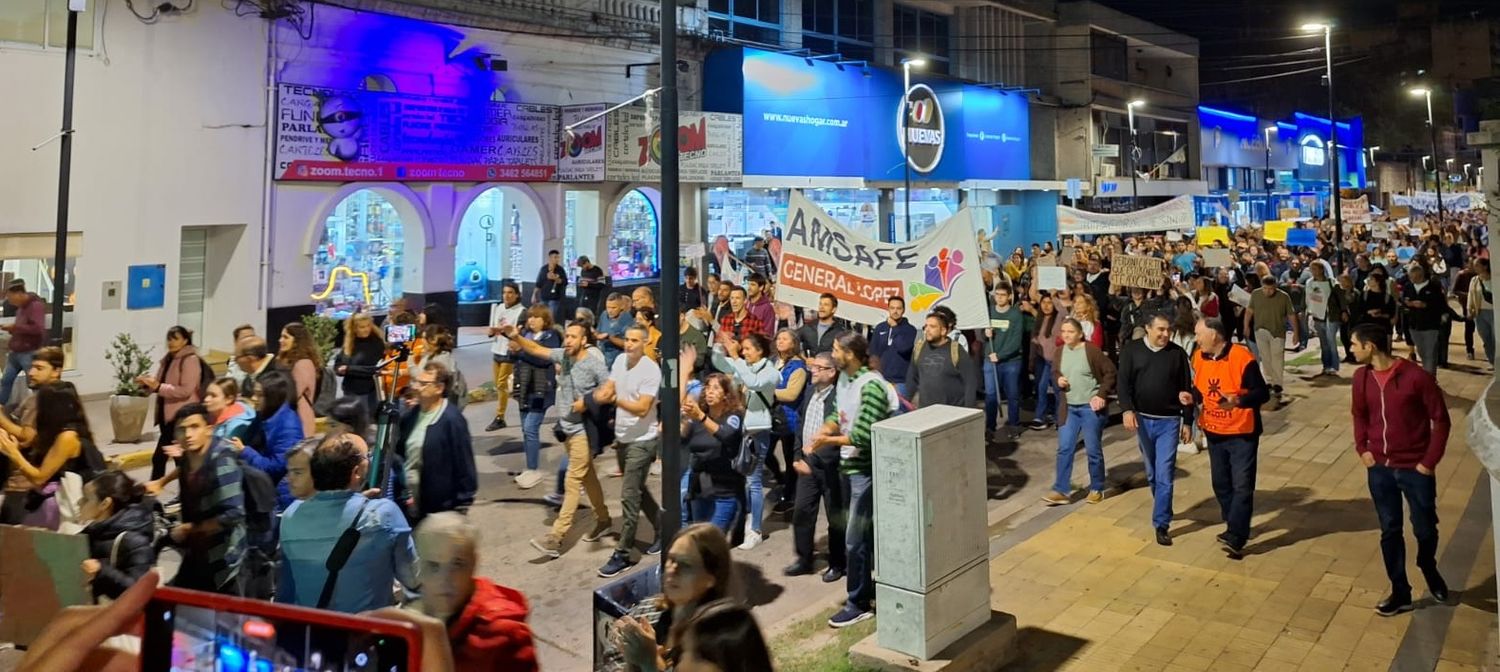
[478,257]
[632,243]
[744,214]
[929,208]
[357,264]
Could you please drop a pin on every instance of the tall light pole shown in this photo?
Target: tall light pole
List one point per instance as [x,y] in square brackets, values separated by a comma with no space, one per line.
[906,65]
[1425,159]
[668,234]
[1270,180]
[1130,115]
[1333,132]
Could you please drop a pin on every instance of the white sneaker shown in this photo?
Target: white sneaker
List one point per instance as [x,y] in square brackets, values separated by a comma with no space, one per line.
[529,479]
[1188,448]
[752,539]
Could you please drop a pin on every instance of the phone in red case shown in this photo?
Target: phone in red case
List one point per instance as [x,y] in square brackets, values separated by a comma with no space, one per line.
[191,631]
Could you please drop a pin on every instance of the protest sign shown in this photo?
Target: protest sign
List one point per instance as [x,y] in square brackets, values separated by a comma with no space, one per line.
[1217,258]
[1400,211]
[819,254]
[1174,214]
[1209,235]
[1131,270]
[1174,236]
[1289,213]
[1380,229]
[1046,260]
[1239,296]
[1355,211]
[40,574]
[1303,237]
[1051,277]
[1276,230]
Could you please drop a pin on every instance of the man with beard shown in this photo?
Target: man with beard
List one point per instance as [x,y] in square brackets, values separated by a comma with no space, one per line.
[818,337]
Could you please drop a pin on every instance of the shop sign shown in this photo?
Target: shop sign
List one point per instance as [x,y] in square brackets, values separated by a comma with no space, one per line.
[708,145]
[580,151]
[339,135]
[924,126]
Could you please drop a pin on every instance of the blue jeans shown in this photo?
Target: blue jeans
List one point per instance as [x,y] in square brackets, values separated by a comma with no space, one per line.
[1232,463]
[1046,391]
[687,508]
[531,437]
[720,511]
[1387,488]
[1002,377]
[1090,423]
[1328,341]
[1158,439]
[859,539]
[16,364]
[753,483]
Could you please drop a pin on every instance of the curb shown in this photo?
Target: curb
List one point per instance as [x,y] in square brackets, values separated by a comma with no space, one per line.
[132,460]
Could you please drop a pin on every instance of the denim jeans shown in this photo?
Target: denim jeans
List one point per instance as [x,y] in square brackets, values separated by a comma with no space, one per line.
[1328,342]
[531,437]
[859,539]
[754,483]
[15,364]
[1090,423]
[1387,487]
[1484,323]
[1232,463]
[1046,390]
[720,511]
[1158,440]
[1427,346]
[1002,377]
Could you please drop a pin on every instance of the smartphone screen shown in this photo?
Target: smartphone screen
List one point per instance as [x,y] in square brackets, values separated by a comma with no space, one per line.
[400,333]
[189,638]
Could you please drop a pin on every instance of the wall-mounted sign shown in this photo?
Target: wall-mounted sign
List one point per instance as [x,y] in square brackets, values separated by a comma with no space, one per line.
[707,142]
[580,153]
[1105,151]
[924,126]
[340,136]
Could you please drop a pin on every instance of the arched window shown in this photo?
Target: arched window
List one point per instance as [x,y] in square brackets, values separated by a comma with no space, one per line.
[632,241]
[484,235]
[357,264]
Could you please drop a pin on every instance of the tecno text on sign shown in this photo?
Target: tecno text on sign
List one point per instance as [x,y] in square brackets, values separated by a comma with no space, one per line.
[921,129]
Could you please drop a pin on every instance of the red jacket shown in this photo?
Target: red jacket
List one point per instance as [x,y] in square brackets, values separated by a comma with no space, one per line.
[491,633]
[1403,424]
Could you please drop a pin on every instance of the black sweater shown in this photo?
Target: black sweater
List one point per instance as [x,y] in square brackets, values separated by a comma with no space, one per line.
[1149,381]
[135,556]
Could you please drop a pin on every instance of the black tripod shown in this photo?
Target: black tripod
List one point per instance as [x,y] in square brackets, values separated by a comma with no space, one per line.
[387,414]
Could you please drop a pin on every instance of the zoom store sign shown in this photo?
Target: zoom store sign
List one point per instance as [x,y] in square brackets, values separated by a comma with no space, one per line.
[925,129]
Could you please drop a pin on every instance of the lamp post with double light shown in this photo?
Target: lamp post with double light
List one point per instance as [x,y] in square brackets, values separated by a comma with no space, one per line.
[906,65]
[1130,115]
[1437,174]
[1333,131]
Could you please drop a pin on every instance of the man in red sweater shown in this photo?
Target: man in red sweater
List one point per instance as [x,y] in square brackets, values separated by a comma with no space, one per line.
[486,621]
[1400,430]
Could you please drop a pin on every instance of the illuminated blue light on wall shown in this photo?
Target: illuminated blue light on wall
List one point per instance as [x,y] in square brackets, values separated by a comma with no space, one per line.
[1226,114]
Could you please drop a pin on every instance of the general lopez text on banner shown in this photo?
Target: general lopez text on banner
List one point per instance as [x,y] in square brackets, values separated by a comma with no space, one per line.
[941,268]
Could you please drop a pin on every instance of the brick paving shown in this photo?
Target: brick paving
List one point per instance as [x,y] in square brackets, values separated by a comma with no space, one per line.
[1093,591]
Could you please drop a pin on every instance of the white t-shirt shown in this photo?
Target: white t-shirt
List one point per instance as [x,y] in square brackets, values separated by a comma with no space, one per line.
[631,384]
[500,315]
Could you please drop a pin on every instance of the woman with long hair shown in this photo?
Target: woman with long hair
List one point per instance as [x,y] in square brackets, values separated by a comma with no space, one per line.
[274,431]
[299,354]
[175,384]
[120,530]
[785,420]
[722,637]
[711,432]
[696,573]
[232,417]
[747,360]
[359,358]
[1185,323]
[52,470]
[535,390]
[1047,312]
[440,344]
[1087,378]
[1086,312]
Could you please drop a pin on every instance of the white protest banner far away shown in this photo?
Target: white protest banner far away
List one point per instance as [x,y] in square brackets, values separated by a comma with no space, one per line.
[1174,215]
[1355,211]
[818,254]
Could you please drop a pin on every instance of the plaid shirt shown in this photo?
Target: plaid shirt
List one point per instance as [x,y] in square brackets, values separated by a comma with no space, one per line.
[738,329]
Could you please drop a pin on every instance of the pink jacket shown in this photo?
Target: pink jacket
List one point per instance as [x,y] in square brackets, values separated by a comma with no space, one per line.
[180,376]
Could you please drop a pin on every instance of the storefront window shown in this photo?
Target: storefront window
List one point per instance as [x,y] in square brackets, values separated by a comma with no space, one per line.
[357,265]
[744,214]
[478,255]
[929,208]
[37,274]
[570,236]
[632,245]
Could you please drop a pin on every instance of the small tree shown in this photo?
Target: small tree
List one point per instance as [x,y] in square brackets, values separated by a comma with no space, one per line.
[130,362]
[325,332]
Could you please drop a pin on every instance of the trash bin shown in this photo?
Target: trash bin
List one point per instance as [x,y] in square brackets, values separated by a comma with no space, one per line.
[617,598]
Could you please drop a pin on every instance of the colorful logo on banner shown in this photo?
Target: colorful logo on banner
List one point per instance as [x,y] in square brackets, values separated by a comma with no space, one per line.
[924,128]
[692,142]
[942,272]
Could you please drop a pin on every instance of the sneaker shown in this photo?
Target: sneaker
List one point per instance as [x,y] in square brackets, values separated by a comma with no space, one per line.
[495,425]
[752,539]
[549,546]
[618,563]
[849,616]
[798,568]
[1055,499]
[833,574]
[655,547]
[601,530]
[783,507]
[1038,425]
[1395,604]
[1188,448]
[1095,496]
[529,479]
[553,499]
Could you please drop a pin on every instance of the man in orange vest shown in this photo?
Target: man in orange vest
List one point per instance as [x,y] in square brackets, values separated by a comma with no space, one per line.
[1228,383]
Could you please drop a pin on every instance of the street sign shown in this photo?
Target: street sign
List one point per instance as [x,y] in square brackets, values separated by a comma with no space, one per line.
[1106,151]
[1234,196]
[1075,188]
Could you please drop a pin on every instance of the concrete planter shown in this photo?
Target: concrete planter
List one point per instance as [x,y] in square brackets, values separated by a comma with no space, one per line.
[128,416]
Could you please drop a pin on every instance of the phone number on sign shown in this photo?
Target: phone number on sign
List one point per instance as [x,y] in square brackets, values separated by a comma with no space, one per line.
[817,277]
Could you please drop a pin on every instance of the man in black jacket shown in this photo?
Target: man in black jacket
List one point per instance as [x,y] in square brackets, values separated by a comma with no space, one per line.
[819,471]
[1155,385]
[1423,304]
[817,338]
[437,453]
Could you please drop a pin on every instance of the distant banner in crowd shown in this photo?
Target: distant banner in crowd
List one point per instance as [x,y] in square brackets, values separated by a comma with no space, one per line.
[1426,201]
[1209,235]
[821,255]
[1355,211]
[1174,215]
[1133,270]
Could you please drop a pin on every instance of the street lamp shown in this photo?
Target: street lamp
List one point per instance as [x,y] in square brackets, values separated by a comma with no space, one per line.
[1130,115]
[1467,177]
[906,65]
[1372,151]
[1437,175]
[1333,178]
[1270,179]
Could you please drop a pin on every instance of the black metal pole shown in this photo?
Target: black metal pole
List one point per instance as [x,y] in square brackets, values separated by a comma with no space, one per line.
[906,144]
[1134,194]
[64,179]
[1333,178]
[1437,173]
[668,249]
[1268,178]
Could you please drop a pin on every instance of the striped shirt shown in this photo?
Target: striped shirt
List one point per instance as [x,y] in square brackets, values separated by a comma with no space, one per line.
[874,406]
[214,492]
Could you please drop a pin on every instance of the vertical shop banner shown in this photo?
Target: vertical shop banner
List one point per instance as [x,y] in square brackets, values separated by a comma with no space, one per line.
[339,136]
[1355,210]
[580,154]
[819,255]
[709,144]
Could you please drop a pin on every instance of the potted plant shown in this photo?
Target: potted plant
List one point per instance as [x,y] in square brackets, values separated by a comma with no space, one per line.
[130,404]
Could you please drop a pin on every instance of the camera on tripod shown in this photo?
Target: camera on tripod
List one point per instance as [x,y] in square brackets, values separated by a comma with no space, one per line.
[400,337]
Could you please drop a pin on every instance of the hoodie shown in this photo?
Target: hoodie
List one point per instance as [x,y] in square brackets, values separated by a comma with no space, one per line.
[136,555]
[491,633]
[1403,423]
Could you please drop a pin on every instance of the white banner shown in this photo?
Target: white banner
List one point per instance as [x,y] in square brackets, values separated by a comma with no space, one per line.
[580,156]
[819,255]
[1426,201]
[709,143]
[1174,215]
[1355,211]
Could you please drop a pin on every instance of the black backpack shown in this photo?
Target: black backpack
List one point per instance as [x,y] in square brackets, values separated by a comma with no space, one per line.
[206,376]
[260,498]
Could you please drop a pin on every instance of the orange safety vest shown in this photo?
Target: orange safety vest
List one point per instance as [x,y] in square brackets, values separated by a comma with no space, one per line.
[1214,378]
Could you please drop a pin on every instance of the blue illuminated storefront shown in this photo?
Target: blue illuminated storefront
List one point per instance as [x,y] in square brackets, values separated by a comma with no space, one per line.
[834,130]
[1235,162]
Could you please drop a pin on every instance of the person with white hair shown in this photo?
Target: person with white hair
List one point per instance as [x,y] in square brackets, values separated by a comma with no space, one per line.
[486,621]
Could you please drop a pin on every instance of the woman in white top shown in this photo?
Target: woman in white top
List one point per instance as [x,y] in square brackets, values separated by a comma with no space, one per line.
[1482,307]
[746,361]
